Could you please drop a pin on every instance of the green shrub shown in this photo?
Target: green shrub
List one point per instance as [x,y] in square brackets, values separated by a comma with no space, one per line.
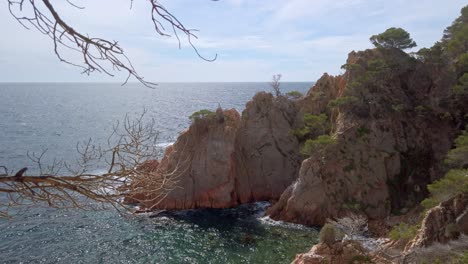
[328,234]
[404,232]
[318,95]
[463,259]
[201,114]
[343,101]
[314,125]
[453,183]
[458,157]
[313,145]
[462,86]
[301,133]
[317,122]
[294,94]
[376,65]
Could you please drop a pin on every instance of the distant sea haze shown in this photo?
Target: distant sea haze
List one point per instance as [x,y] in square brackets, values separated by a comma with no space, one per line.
[56,116]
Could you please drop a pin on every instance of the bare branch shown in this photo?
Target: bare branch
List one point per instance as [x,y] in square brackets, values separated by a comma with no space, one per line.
[131,173]
[97,54]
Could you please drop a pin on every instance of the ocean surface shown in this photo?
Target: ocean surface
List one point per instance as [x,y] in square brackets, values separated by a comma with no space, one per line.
[55,117]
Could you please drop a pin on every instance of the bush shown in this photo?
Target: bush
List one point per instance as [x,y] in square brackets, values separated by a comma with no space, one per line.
[328,234]
[458,157]
[201,114]
[294,94]
[463,259]
[343,101]
[404,232]
[313,145]
[462,86]
[452,184]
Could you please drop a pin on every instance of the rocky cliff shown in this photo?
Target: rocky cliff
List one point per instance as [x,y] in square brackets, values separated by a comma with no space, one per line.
[222,160]
[391,135]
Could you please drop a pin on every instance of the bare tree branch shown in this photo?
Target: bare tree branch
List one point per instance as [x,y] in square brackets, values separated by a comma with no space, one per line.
[100,55]
[130,174]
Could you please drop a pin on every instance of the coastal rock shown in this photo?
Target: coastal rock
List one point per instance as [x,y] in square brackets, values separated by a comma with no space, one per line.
[200,165]
[383,156]
[339,253]
[267,154]
[222,161]
[443,223]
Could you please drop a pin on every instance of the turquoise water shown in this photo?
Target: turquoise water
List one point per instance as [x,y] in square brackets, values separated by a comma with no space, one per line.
[202,236]
[56,116]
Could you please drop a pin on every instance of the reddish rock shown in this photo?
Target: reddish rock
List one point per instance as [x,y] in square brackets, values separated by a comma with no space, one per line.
[339,253]
[443,223]
[222,161]
[383,158]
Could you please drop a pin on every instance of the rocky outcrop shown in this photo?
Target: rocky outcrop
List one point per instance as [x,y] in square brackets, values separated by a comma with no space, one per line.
[389,142]
[267,154]
[339,253]
[222,160]
[443,223]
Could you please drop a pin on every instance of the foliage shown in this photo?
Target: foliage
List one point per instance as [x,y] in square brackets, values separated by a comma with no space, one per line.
[343,101]
[314,125]
[393,38]
[452,184]
[431,55]
[201,114]
[313,145]
[458,157]
[463,259]
[328,234]
[319,122]
[462,85]
[403,231]
[301,133]
[294,94]
[456,36]
[462,62]
[376,65]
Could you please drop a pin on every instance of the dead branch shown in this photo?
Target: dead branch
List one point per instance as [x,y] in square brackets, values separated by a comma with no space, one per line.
[275,84]
[98,55]
[131,146]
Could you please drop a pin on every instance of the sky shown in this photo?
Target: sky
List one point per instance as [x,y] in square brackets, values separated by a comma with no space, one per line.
[253,39]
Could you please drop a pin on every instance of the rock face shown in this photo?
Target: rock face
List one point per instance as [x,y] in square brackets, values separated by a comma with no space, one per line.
[222,160]
[390,141]
[267,155]
[339,253]
[443,223]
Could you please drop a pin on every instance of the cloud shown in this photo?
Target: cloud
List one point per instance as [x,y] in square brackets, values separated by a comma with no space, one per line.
[254,38]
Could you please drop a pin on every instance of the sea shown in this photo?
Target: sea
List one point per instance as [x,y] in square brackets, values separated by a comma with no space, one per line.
[52,118]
